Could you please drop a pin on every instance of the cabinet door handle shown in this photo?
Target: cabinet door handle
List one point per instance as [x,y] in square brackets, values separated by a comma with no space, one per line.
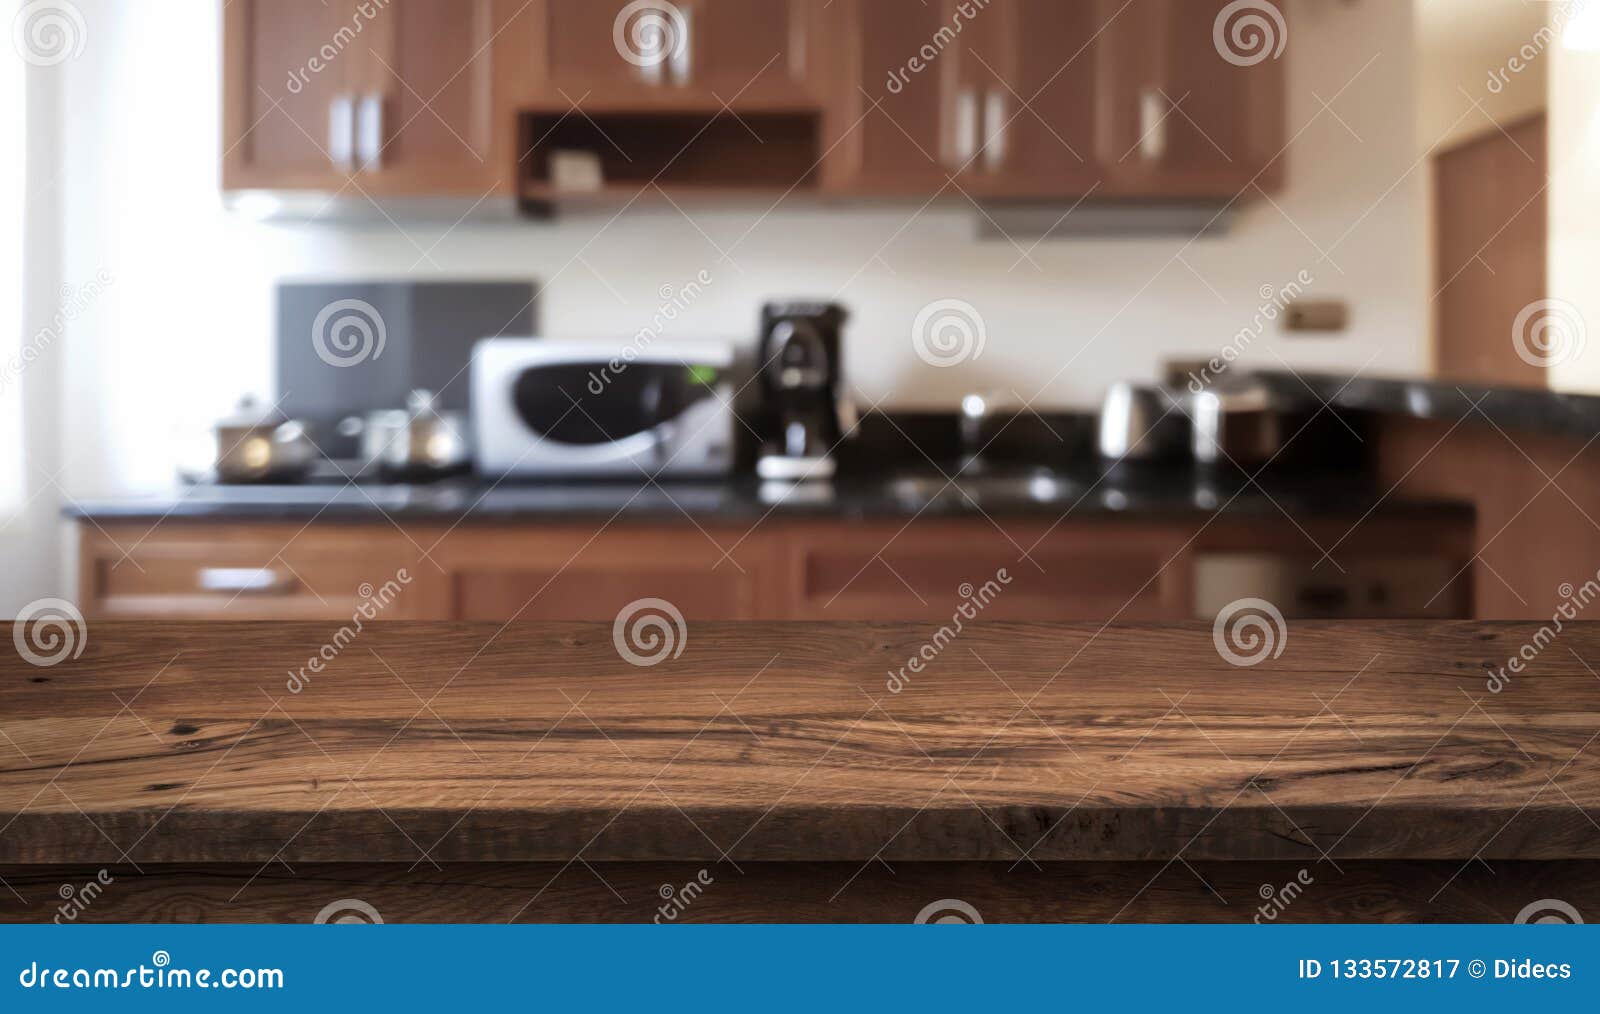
[244,580]
[995,130]
[341,132]
[965,144]
[369,133]
[1152,125]
[682,58]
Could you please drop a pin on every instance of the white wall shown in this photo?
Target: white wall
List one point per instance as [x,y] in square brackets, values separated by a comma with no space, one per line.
[186,325]
[30,540]
[1574,241]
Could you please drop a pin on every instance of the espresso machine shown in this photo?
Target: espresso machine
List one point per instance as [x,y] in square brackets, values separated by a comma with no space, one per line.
[806,411]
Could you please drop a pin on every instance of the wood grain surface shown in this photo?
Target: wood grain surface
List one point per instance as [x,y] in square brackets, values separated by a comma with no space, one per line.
[1211,892]
[437,743]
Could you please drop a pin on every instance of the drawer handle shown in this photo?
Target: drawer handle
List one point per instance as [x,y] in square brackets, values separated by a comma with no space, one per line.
[243,580]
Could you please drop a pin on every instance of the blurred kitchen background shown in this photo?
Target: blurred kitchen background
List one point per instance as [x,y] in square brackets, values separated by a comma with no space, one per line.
[944,280]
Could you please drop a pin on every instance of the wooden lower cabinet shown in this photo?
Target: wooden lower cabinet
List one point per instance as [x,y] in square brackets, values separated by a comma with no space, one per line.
[1091,570]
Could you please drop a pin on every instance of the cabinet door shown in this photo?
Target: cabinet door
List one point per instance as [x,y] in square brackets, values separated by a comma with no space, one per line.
[288,111]
[686,54]
[1186,111]
[426,120]
[1037,104]
[573,572]
[886,131]
[933,570]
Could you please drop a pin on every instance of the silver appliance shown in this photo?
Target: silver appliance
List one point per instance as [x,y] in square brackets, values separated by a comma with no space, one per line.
[562,408]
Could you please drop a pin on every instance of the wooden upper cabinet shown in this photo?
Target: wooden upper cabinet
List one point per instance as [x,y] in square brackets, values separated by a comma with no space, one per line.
[1184,110]
[334,95]
[1036,99]
[288,112]
[687,55]
[887,129]
[425,101]
[1023,110]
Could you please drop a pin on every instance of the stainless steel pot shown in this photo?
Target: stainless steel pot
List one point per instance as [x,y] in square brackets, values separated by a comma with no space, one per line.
[418,441]
[259,445]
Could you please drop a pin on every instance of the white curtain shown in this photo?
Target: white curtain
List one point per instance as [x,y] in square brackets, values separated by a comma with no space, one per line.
[13,155]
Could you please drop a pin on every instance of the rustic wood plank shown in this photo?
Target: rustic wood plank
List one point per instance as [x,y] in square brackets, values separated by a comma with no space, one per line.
[181,743]
[1355,892]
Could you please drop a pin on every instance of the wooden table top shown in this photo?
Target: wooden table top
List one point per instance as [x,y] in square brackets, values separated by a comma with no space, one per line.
[458,742]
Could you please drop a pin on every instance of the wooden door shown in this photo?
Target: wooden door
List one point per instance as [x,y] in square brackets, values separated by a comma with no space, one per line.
[574,572]
[886,132]
[426,119]
[1032,64]
[1489,255]
[1182,113]
[689,55]
[288,108]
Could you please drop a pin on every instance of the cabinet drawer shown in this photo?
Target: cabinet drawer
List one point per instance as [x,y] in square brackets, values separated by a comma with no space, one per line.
[927,571]
[245,573]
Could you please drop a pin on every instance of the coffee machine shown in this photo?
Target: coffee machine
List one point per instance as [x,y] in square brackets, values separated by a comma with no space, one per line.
[806,410]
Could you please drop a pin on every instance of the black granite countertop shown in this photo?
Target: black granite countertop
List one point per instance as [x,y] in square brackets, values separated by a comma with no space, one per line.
[1510,408]
[1148,492]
